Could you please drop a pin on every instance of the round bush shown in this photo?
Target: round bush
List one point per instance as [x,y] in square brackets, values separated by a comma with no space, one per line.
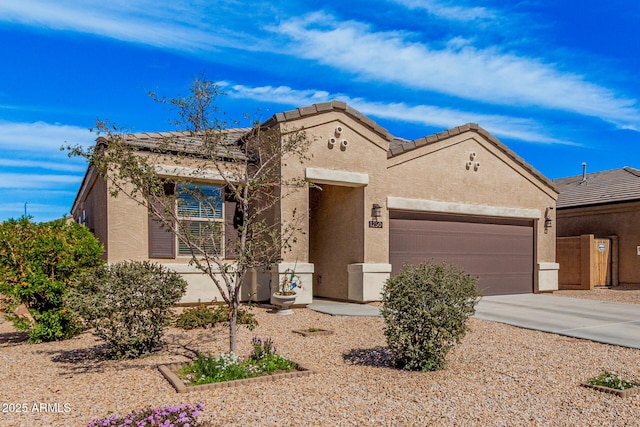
[37,264]
[128,304]
[426,307]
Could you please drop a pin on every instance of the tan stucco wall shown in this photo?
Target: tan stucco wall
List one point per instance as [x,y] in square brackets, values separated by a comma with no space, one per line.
[444,175]
[93,202]
[128,229]
[619,220]
[341,235]
[437,172]
[337,236]
[366,153]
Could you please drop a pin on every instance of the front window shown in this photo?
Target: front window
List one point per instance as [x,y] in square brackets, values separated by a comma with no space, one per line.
[200,212]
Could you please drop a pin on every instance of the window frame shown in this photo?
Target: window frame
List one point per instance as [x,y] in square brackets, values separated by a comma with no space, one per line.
[216,218]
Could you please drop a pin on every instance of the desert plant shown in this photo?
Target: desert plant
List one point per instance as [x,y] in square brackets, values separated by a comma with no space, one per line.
[228,366]
[262,349]
[37,264]
[426,307]
[612,379]
[197,317]
[204,317]
[128,304]
[177,416]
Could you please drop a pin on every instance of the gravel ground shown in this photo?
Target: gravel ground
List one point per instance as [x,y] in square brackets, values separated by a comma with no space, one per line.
[625,294]
[498,376]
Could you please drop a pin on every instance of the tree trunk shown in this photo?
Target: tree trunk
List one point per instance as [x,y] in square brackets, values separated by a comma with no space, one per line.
[233,327]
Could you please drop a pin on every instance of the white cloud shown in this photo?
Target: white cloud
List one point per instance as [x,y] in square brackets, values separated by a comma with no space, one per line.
[39,136]
[279,94]
[176,25]
[39,181]
[456,68]
[485,75]
[447,10]
[54,166]
[502,126]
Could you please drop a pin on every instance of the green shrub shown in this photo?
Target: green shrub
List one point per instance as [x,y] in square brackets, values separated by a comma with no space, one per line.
[128,304]
[54,325]
[613,380]
[426,307]
[204,317]
[228,367]
[37,264]
[197,317]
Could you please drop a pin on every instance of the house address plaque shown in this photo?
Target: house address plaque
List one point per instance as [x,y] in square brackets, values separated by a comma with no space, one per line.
[375,224]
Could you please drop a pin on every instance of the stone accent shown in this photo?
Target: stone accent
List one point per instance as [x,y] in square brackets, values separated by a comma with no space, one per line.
[308,333]
[23,311]
[622,393]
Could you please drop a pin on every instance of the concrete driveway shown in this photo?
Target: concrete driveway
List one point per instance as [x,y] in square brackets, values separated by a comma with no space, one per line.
[605,322]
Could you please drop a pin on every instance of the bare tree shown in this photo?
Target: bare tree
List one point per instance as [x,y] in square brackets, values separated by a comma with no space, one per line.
[172,180]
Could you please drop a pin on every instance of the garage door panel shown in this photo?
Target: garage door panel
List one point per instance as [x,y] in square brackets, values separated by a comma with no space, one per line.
[501,255]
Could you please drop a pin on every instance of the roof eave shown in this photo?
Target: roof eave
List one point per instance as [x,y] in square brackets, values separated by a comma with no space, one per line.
[470,127]
[324,107]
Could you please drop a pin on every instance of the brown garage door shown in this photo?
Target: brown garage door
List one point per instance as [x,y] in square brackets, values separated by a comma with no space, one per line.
[499,252]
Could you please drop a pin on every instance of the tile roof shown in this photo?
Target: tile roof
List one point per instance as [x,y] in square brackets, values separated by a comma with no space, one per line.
[183,142]
[612,186]
[329,106]
[397,146]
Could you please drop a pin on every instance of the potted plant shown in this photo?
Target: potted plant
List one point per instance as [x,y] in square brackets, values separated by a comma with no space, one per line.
[288,289]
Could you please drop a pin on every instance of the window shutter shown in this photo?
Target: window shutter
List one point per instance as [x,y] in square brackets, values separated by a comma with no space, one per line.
[162,242]
[230,233]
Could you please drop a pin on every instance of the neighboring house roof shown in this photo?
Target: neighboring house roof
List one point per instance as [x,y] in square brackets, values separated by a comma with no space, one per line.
[612,186]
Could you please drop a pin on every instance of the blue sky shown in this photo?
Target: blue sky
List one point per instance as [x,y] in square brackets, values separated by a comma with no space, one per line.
[557,82]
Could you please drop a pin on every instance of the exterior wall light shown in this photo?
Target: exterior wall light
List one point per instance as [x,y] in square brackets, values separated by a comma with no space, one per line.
[375,211]
[375,216]
[548,221]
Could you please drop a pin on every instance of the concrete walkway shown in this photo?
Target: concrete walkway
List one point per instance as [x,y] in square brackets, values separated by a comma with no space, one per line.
[605,322]
[336,308]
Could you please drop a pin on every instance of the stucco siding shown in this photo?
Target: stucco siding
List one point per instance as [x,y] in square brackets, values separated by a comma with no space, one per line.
[353,164]
[365,154]
[91,208]
[128,229]
[468,170]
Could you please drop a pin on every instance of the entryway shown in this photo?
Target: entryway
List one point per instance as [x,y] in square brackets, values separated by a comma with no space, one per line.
[336,237]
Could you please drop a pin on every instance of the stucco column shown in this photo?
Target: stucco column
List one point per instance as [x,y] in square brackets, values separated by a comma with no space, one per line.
[548,276]
[366,281]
